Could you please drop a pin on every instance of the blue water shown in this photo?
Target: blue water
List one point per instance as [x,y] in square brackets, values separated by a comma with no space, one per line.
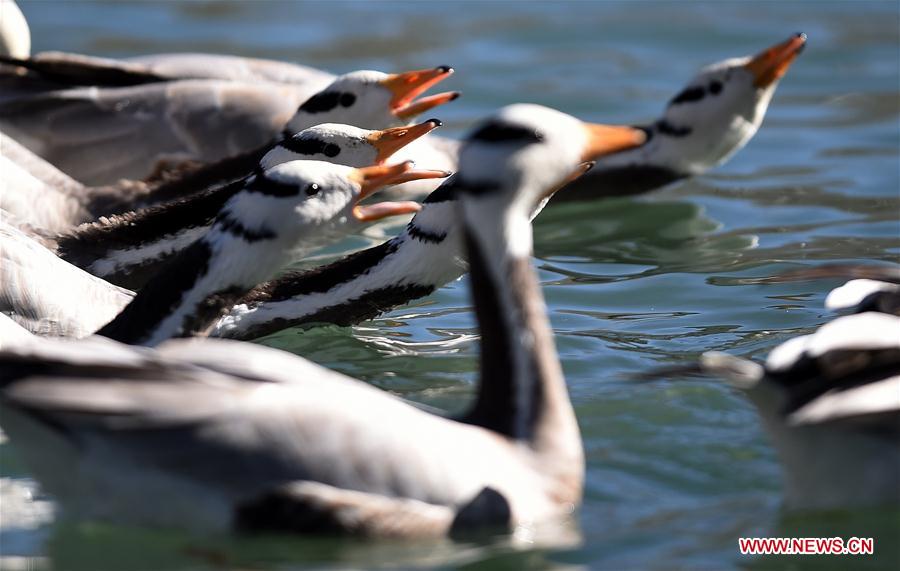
[677,470]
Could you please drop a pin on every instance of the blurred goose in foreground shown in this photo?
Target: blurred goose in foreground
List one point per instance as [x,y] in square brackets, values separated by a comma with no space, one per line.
[98,135]
[830,402]
[287,210]
[219,434]
[127,249]
[15,37]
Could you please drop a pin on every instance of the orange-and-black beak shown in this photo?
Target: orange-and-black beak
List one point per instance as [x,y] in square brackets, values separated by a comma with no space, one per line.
[770,65]
[605,140]
[389,141]
[405,87]
[371,179]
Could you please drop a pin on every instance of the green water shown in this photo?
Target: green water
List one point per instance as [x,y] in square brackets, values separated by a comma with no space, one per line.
[677,470]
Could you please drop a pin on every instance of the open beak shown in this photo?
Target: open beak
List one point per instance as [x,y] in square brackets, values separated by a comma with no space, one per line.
[607,139]
[770,65]
[390,141]
[405,87]
[371,179]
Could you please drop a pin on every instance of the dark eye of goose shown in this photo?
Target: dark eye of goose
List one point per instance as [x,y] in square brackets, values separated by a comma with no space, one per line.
[505,133]
[347,99]
[715,87]
[689,94]
[331,150]
[312,189]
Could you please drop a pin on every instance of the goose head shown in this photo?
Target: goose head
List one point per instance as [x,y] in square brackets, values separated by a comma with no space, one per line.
[309,201]
[525,152]
[345,144]
[720,109]
[372,99]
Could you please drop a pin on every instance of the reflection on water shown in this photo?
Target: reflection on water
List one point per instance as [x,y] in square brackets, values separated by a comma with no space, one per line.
[677,471]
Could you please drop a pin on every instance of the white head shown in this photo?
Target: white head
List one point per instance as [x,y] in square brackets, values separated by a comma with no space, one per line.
[521,155]
[15,37]
[345,144]
[303,198]
[372,99]
[716,113]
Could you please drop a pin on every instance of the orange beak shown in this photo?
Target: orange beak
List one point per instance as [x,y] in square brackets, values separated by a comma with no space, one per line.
[405,87]
[770,65]
[607,139]
[371,179]
[390,141]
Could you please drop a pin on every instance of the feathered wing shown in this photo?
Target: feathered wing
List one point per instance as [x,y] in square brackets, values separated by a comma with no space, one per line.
[50,296]
[99,135]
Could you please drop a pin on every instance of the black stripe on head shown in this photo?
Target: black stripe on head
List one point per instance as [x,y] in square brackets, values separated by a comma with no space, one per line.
[689,94]
[497,132]
[666,128]
[237,229]
[310,146]
[326,101]
[262,184]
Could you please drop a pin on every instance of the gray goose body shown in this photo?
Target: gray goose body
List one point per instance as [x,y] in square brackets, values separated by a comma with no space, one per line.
[251,452]
[143,126]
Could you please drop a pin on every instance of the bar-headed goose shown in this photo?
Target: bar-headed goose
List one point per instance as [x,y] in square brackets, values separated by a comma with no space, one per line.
[127,249]
[830,400]
[707,122]
[99,135]
[218,434]
[427,255]
[704,125]
[287,210]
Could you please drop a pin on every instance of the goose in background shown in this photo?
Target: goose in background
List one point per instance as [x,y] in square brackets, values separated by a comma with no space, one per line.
[251,239]
[98,135]
[703,126]
[251,451]
[127,249]
[830,400]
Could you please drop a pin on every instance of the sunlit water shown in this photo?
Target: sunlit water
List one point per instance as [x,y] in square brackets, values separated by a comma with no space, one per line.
[678,470]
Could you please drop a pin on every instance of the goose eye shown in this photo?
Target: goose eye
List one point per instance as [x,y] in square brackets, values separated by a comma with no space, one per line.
[312,189]
[715,87]
[331,150]
[347,99]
